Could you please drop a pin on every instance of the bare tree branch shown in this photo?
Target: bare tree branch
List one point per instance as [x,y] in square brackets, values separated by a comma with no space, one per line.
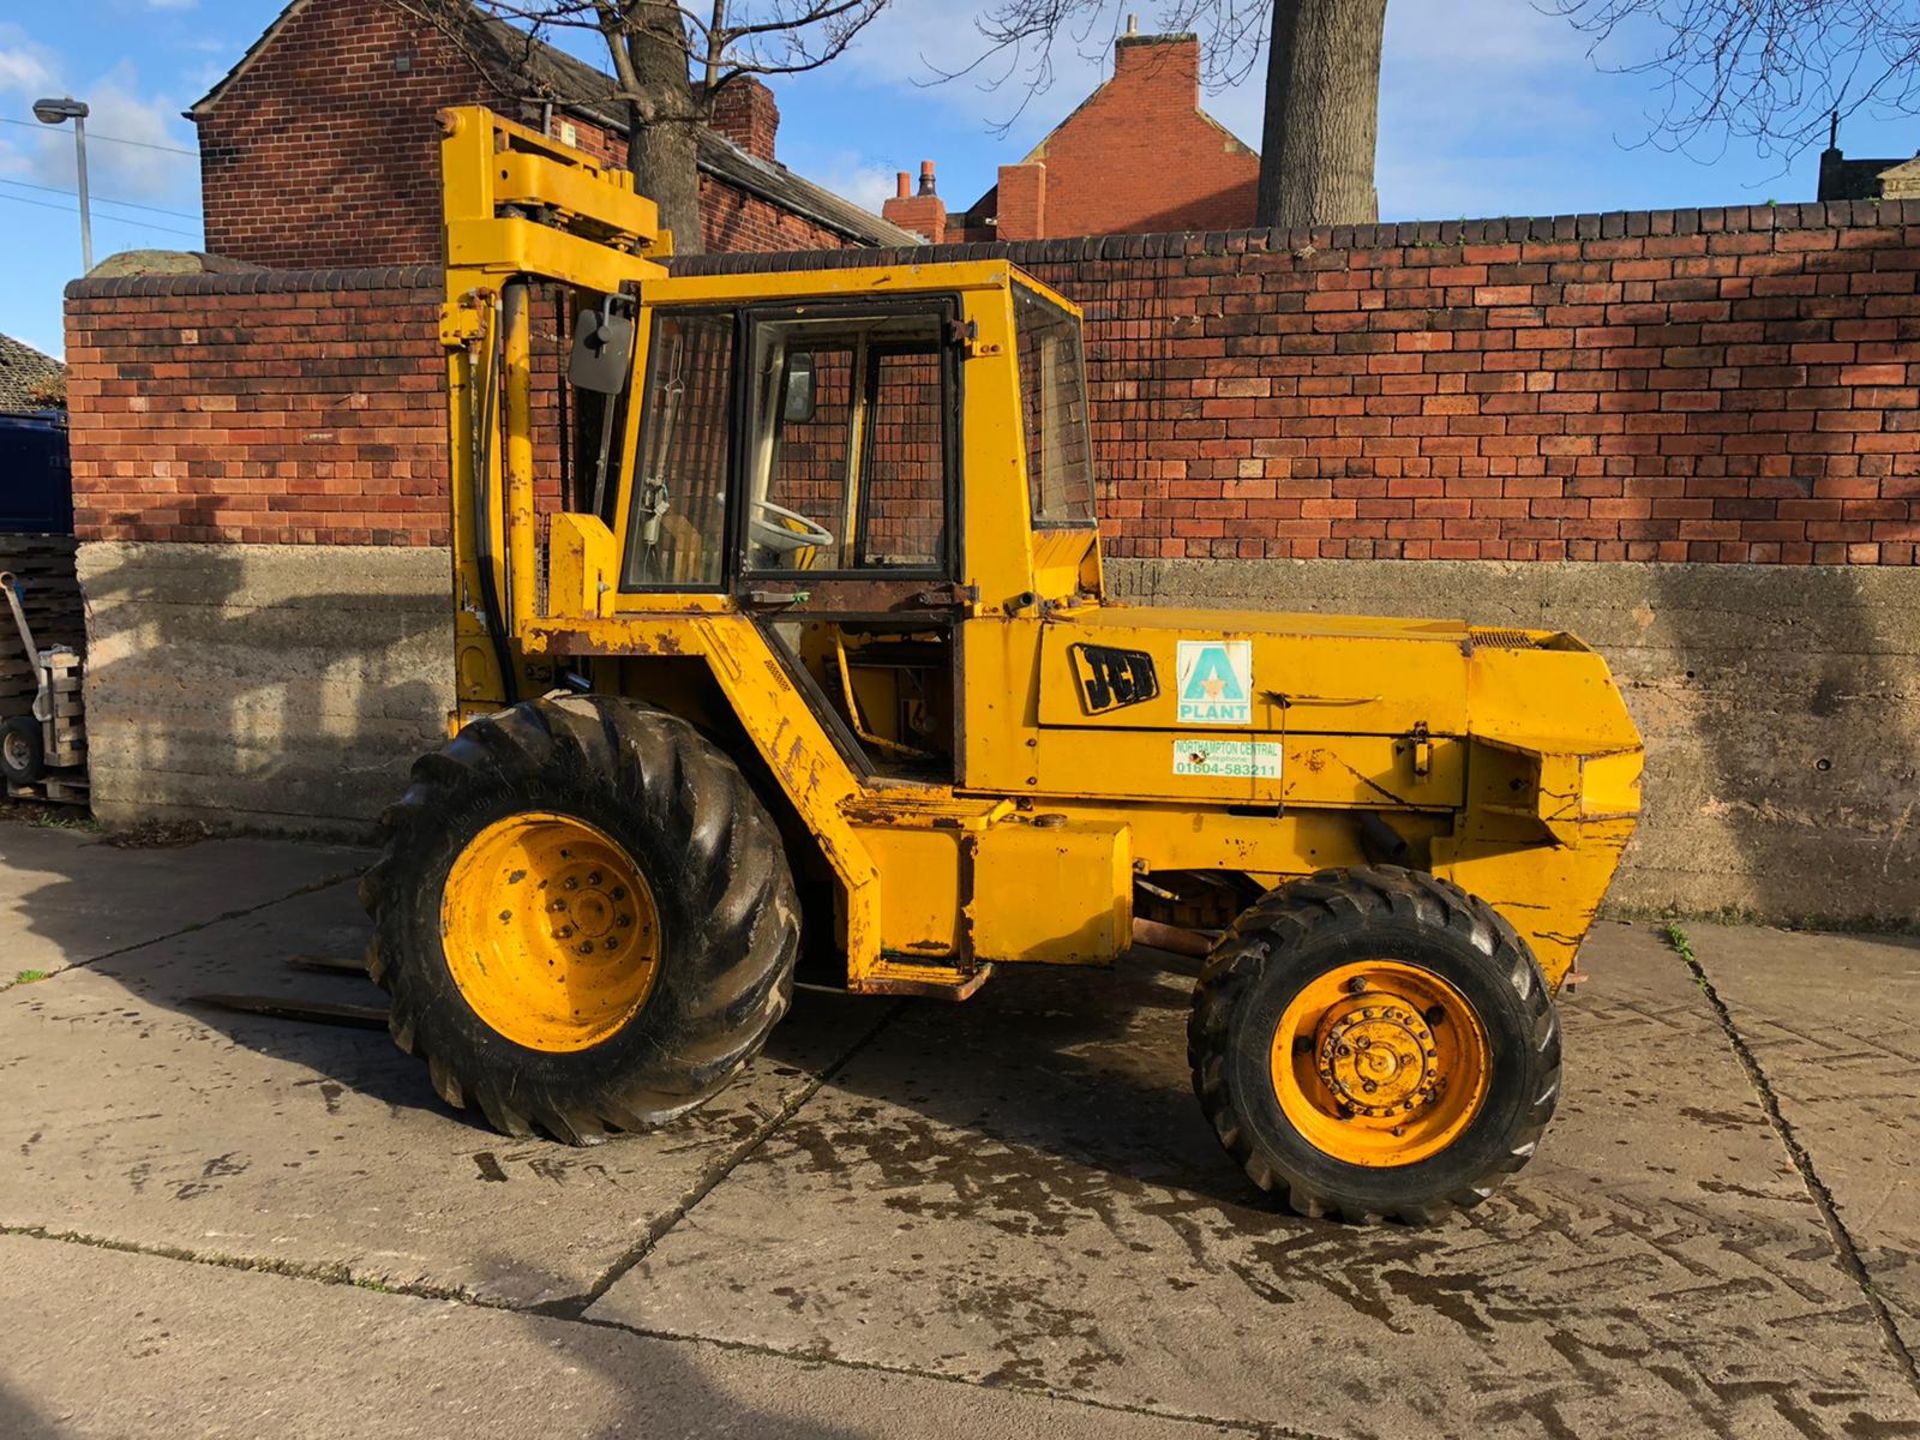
[1776,72]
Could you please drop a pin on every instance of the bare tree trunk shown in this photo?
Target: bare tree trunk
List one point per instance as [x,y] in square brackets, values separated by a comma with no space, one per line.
[663,121]
[1323,113]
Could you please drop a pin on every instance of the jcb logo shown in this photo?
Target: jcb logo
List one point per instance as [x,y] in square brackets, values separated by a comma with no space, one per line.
[1216,682]
[1110,678]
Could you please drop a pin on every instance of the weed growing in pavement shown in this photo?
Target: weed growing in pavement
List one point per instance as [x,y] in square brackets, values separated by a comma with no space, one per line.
[48,817]
[1677,938]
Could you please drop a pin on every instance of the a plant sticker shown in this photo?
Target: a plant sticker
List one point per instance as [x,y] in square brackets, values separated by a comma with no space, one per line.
[1216,682]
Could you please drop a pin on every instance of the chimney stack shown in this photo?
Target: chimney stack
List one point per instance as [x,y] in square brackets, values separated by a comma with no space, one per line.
[743,111]
[923,212]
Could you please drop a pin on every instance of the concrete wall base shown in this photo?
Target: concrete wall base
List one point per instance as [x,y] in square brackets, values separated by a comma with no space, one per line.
[289,688]
[277,687]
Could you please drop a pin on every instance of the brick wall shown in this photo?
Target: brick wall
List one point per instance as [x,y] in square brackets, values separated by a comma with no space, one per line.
[1716,385]
[292,408]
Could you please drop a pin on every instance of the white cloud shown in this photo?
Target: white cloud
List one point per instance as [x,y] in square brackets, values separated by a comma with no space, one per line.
[866,183]
[139,171]
[26,68]
[159,168]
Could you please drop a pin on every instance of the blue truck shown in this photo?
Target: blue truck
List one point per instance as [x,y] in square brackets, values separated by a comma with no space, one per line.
[36,483]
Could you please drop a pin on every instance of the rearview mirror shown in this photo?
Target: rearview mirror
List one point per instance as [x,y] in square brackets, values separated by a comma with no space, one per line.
[602,346]
[800,400]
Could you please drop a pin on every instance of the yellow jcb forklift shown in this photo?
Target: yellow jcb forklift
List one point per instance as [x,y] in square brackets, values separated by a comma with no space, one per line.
[813,655]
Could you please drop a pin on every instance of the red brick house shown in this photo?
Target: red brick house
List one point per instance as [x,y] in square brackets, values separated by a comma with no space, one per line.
[320,147]
[1138,156]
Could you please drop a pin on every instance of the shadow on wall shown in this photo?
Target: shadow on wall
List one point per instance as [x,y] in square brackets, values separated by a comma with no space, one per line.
[282,687]
[21,1421]
[1790,716]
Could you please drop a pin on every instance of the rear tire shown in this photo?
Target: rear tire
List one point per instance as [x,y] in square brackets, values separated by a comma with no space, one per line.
[23,756]
[1460,1023]
[649,792]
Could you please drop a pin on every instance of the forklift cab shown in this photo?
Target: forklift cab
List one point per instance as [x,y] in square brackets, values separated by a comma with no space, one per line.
[812,459]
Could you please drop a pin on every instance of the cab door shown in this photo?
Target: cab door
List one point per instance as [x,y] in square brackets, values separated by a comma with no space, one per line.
[846,544]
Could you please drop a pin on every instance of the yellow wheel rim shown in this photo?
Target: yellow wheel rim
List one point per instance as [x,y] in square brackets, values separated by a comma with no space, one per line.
[550,930]
[1379,1063]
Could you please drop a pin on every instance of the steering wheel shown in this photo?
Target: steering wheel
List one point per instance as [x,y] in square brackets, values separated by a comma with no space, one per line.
[779,528]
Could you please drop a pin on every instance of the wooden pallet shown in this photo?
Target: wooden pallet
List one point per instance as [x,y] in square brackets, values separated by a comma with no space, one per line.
[43,566]
[53,788]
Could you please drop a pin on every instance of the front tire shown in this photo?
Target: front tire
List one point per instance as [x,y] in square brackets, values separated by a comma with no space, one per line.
[1375,1043]
[584,918]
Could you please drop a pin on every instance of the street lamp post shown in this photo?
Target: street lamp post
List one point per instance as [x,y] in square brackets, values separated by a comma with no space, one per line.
[57,112]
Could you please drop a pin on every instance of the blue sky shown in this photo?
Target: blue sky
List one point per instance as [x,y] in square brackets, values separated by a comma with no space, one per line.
[1487,108]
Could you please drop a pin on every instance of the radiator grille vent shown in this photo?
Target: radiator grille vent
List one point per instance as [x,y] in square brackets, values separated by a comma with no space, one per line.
[1504,639]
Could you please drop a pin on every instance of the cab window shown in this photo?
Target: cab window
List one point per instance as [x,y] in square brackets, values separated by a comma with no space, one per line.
[850,457]
[1053,410]
[676,531]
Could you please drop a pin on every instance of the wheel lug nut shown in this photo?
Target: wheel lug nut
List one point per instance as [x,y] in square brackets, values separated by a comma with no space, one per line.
[586,947]
[564,932]
[593,877]
[1356,985]
[623,921]
[619,892]
[571,883]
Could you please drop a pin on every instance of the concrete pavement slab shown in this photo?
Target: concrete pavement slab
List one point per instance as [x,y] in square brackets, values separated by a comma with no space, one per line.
[103,1344]
[1833,1021]
[1021,1191]
[135,1118]
[67,897]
